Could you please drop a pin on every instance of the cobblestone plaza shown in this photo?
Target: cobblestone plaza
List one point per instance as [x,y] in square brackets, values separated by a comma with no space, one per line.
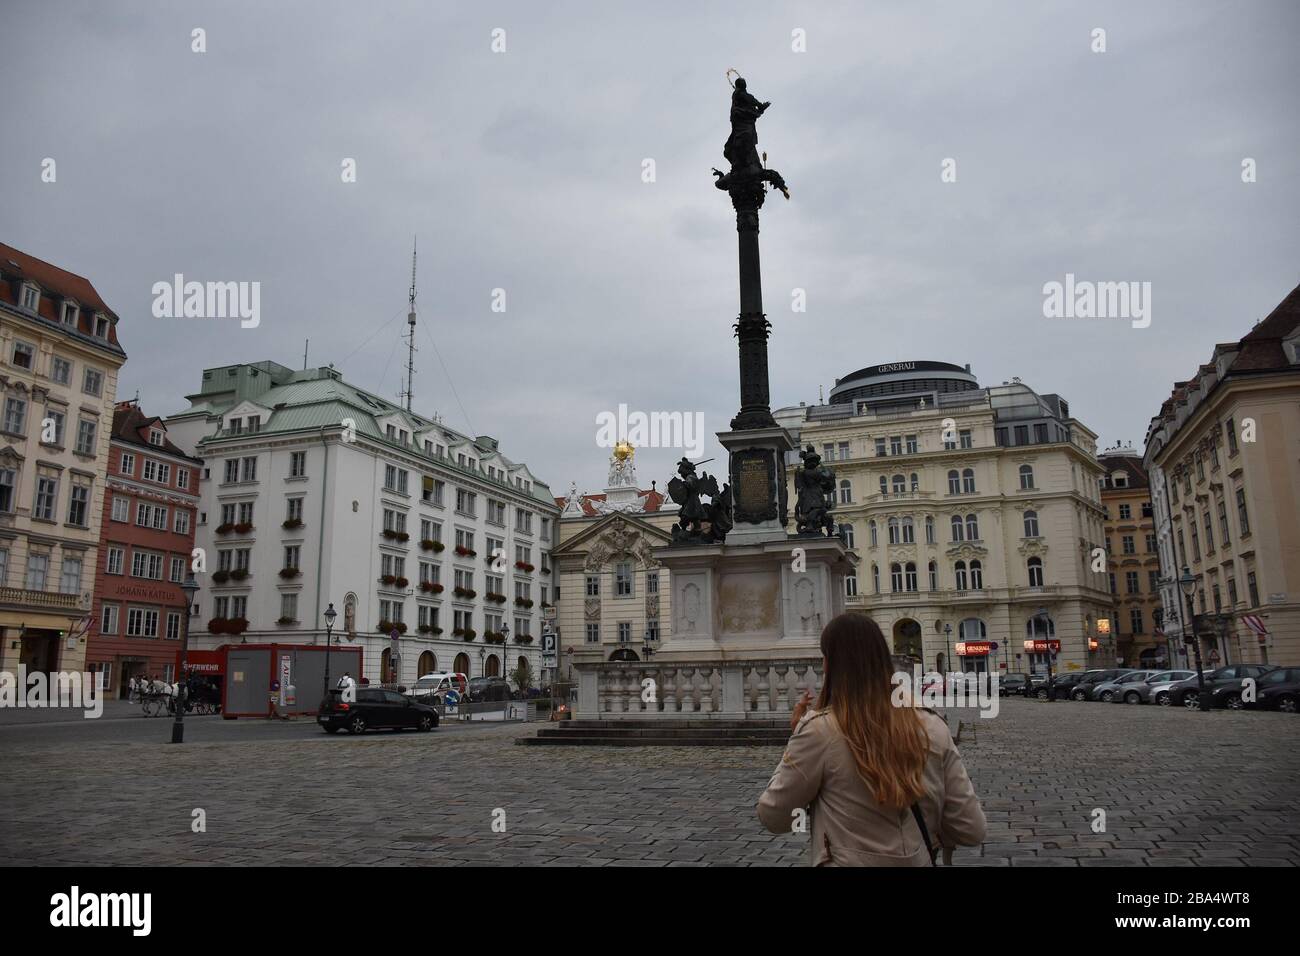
[1177,788]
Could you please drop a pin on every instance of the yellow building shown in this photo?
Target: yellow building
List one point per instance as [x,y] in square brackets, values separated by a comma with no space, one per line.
[59,361]
[975,513]
[612,595]
[1132,560]
[1222,454]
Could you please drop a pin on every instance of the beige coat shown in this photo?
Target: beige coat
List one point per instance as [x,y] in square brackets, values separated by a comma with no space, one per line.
[848,827]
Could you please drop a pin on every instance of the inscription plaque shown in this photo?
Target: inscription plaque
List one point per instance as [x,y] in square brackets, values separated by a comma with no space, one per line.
[753,478]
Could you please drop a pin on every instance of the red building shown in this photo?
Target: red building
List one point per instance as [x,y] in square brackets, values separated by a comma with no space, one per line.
[150,503]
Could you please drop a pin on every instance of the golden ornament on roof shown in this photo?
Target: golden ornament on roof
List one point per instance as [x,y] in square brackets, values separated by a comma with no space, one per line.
[623,450]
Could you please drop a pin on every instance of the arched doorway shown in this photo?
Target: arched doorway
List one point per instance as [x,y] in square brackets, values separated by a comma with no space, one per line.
[427,664]
[461,666]
[492,666]
[907,638]
[939,661]
[386,666]
[624,654]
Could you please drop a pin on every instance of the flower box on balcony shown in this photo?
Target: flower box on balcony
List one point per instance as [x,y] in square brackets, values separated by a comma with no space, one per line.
[428,544]
[469,634]
[429,629]
[237,625]
[387,626]
[226,528]
[243,527]
[285,620]
[217,625]
[428,587]
[523,602]
[239,574]
[289,573]
[493,596]
[523,638]
[220,577]
[524,566]
[401,582]
[492,637]
[291,524]
[465,552]
[388,579]
[467,593]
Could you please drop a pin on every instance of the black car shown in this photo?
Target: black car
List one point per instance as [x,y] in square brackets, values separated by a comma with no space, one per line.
[1017,684]
[1059,687]
[374,708]
[484,689]
[1279,690]
[1220,683]
[1089,680]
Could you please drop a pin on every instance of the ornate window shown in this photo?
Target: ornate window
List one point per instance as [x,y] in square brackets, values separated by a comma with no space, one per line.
[1026,477]
[1031,524]
[1035,572]
[968,481]
[959,572]
[957,526]
[976,576]
[895,577]
[954,482]
[972,528]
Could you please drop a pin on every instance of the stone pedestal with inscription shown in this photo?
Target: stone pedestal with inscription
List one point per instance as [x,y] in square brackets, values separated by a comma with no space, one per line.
[768,599]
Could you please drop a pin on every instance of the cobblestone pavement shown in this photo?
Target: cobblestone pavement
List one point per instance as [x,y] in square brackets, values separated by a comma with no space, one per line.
[1178,788]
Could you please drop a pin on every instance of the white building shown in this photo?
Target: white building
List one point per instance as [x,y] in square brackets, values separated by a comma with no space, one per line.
[316,492]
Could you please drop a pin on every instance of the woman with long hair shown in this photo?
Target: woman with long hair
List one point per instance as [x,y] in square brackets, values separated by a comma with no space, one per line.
[883,784]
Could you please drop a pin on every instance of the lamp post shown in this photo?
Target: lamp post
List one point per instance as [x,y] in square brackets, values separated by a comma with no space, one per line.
[947,640]
[505,639]
[1187,584]
[330,615]
[1047,646]
[189,587]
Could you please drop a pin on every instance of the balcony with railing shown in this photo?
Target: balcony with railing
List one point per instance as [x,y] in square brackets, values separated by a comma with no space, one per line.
[44,600]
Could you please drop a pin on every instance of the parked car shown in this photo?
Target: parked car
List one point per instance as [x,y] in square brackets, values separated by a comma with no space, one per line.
[1153,690]
[1231,695]
[1017,684]
[1107,689]
[1087,685]
[483,689]
[1279,690]
[1059,687]
[373,709]
[1184,693]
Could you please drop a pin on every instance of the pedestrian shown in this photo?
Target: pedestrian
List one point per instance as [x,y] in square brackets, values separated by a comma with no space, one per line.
[132,689]
[346,683]
[882,777]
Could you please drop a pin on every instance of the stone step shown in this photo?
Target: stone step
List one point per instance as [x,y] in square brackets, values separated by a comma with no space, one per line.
[779,723]
[580,740]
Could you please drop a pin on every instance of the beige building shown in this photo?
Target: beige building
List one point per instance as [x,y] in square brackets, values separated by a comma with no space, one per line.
[975,513]
[612,595]
[1132,560]
[59,361]
[1224,449]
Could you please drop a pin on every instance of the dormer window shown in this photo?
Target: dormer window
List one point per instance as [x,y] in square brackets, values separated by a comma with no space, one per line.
[155,437]
[236,426]
[101,327]
[70,313]
[254,423]
[31,297]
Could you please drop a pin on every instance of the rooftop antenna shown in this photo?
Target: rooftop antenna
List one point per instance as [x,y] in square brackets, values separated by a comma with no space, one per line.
[305,345]
[410,333]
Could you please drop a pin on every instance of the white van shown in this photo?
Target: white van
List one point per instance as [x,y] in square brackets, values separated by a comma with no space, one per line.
[438,684]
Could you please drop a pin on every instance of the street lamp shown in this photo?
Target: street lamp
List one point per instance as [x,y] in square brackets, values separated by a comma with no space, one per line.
[330,615]
[1047,646]
[505,639]
[1187,584]
[647,646]
[947,640]
[189,587]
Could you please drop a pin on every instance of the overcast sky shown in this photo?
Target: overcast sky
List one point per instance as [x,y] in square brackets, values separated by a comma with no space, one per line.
[522,171]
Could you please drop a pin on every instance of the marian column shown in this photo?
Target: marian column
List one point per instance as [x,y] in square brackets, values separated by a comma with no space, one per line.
[756,445]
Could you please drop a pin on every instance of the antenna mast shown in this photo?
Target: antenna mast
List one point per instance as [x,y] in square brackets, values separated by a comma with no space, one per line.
[410,335]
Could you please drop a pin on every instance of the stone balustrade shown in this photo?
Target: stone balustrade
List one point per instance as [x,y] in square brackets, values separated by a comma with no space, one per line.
[695,689]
